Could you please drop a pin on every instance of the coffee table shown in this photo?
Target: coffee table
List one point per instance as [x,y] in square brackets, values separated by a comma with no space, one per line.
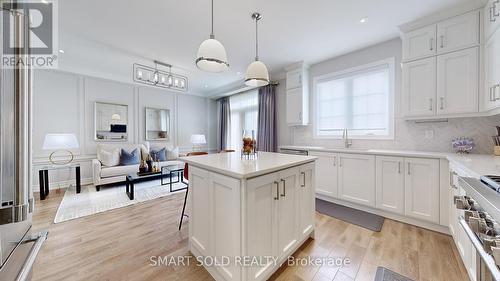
[171,170]
[136,178]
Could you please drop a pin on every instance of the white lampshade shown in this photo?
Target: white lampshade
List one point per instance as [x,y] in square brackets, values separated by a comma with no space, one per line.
[116,116]
[212,56]
[257,74]
[198,139]
[60,141]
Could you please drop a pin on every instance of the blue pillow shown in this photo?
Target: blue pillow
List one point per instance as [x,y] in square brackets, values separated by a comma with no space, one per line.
[159,155]
[131,158]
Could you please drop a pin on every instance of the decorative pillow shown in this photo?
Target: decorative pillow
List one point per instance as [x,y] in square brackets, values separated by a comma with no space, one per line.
[131,158]
[159,155]
[110,158]
[173,154]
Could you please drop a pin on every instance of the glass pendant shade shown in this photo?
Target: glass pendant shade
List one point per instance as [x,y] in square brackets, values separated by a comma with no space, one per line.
[257,74]
[212,56]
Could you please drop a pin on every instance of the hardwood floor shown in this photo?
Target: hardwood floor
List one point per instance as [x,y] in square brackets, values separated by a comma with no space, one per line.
[118,244]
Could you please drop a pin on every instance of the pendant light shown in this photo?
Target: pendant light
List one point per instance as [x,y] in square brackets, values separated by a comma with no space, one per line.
[257,74]
[212,55]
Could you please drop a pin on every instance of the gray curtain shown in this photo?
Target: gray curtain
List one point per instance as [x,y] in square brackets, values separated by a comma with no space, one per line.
[266,130]
[224,123]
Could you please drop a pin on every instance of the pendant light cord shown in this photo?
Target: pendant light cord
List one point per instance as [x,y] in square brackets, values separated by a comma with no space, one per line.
[256,39]
[212,36]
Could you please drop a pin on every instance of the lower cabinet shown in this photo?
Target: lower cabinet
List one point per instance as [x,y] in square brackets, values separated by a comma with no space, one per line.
[326,173]
[390,186]
[422,189]
[356,178]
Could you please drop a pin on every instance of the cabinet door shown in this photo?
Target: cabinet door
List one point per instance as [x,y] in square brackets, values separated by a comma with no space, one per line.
[419,43]
[294,79]
[458,32]
[200,221]
[326,173]
[262,198]
[306,200]
[357,178]
[294,106]
[458,82]
[287,207]
[419,88]
[390,188]
[492,71]
[422,189]
[491,17]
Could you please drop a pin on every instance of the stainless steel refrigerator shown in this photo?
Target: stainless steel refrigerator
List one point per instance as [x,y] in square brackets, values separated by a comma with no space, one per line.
[18,245]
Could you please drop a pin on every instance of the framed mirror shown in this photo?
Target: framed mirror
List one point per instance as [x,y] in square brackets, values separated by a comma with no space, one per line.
[111,121]
[157,124]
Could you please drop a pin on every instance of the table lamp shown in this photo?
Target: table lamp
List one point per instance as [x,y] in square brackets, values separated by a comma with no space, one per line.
[60,142]
[198,140]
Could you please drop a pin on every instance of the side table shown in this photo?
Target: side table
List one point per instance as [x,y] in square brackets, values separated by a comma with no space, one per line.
[43,175]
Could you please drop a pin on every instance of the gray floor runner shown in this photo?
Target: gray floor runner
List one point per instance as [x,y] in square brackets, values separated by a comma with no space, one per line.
[384,274]
[350,215]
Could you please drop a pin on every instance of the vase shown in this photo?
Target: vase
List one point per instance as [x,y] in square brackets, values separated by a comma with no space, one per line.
[248,142]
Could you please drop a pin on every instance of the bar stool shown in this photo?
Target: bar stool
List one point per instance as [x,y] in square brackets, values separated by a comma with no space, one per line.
[186,176]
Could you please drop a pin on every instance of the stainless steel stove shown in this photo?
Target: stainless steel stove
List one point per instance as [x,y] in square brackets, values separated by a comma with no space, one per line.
[492,182]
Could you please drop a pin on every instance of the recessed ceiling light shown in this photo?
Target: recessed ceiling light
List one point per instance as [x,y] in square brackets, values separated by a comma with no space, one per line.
[206,86]
[61,51]
[363,20]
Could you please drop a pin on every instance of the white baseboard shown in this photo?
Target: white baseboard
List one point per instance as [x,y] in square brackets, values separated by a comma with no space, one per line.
[403,219]
[64,184]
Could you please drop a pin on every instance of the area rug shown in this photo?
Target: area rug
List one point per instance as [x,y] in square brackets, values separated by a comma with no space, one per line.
[89,201]
[350,215]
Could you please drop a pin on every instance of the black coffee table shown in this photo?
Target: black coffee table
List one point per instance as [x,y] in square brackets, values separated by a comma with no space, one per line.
[136,178]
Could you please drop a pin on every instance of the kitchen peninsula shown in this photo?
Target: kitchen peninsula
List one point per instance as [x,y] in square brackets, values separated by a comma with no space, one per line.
[249,208]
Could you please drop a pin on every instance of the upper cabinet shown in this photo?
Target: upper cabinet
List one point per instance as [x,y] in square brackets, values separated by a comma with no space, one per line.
[491,17]
[420,43]
[492,71]
[458,33]
[441,68]
[297,95]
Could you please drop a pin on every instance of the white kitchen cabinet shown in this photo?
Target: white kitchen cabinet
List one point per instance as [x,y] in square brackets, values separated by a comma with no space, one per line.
[390,185]
[419,88]
[356,178]
[422,189]
[306,198]
[326,173]
[458,33]
[198,232]
[492,71]
[297,95]
[458,82]
[420,43]
[287,206]
[491,17]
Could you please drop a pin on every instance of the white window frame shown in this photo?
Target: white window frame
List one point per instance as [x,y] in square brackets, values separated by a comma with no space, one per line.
[347,72]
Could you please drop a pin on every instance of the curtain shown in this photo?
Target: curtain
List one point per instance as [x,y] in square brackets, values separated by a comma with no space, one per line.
[267,135]
[244,110]
[224,123]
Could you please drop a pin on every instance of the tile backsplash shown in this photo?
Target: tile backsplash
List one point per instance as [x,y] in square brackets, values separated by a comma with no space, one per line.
[412,136]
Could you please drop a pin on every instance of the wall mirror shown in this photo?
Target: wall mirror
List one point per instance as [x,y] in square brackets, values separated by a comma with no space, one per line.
[157,124]
[111,121]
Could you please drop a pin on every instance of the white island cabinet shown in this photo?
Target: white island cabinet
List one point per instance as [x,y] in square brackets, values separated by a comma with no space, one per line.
[248,215]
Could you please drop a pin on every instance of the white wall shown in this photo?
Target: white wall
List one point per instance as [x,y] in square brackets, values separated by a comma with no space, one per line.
[408,134]
[63,102]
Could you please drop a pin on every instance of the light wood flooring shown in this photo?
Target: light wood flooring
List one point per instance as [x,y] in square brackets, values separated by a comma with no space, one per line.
[118,244]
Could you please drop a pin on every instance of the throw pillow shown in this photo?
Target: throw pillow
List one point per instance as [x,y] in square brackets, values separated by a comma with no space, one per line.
[132,158]
[173,154]
[109,158]
[159,155]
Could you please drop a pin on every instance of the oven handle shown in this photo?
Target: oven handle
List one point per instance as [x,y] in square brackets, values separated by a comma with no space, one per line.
[30,260]
[487,259]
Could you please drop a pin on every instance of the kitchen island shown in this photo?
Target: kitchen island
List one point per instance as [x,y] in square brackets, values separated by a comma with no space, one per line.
[248,215]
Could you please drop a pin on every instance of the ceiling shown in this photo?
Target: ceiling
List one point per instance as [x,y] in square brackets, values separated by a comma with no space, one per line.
[290,31]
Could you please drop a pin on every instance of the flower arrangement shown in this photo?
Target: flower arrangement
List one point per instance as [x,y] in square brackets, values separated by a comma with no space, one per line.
[463,144]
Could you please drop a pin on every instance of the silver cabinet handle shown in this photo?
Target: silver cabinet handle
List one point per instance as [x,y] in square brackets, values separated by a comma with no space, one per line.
[284,188]
[430,104]
[399,167]
[277,190]
[431,44]
[491,94]
[442,41]
[303,179]
[495,92]
[441,100]
[334,160]
[300,116]
[495,12]
[492,14]
[409,169]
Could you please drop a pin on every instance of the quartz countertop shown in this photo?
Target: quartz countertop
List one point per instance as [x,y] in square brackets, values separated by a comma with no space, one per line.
[472,165]
[233,165]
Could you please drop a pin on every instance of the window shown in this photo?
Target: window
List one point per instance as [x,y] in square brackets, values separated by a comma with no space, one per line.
[244,112]
[359,99]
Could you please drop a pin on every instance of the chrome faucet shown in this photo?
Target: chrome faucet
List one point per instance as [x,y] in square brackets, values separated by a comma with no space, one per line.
[345,137]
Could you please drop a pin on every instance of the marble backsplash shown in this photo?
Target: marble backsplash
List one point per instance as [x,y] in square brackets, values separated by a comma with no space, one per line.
[411,136]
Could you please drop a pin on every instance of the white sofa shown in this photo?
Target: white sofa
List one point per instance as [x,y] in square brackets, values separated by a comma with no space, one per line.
[113,174]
